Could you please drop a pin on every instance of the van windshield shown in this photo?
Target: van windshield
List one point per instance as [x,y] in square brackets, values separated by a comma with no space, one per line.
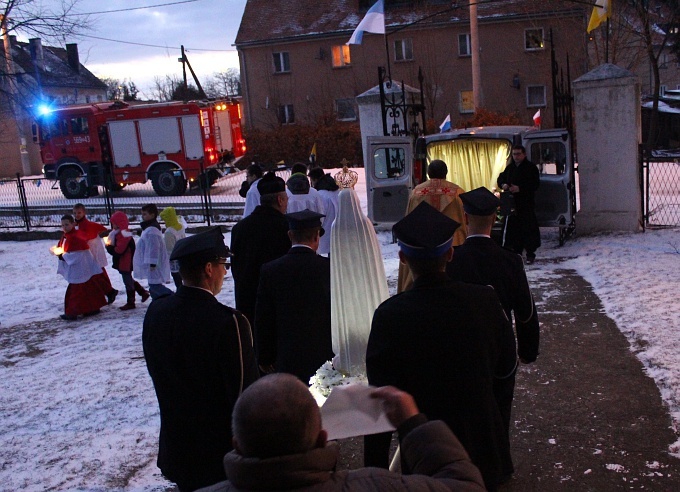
[472,162]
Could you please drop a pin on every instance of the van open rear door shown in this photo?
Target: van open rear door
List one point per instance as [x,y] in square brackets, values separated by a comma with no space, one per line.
[388,177]
[551,151]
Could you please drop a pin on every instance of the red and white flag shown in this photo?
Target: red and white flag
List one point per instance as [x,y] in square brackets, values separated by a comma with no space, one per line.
[537,119]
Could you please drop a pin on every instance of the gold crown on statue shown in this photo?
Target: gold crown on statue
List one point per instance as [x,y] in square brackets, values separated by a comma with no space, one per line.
[346,178]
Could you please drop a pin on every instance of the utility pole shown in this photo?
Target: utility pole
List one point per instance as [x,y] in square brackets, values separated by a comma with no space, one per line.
[12,93]
[477,94]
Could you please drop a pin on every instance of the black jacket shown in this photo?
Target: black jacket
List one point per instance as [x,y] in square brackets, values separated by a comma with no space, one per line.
[255,240]
[445,342]
[293,314]
[200,356]
[479,260]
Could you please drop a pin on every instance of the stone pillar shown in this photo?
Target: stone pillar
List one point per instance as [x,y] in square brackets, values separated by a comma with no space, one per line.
[607,121]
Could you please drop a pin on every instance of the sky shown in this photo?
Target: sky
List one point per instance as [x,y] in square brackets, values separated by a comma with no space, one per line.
[199,25]
[79,410]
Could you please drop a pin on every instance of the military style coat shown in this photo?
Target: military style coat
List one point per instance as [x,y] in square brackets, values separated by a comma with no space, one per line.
[445,342]
[200,356]
[293,313]
[255,240]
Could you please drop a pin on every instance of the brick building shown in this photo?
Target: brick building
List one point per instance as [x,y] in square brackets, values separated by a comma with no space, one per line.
[296,68]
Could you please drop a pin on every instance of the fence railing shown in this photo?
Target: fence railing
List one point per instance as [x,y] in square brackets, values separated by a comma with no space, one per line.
[35,202]
[660,176]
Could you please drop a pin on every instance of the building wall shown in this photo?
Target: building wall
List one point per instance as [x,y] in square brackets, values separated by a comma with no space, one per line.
[313,84]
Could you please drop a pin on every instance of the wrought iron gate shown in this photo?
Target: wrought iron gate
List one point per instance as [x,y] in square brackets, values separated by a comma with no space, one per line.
[660,187]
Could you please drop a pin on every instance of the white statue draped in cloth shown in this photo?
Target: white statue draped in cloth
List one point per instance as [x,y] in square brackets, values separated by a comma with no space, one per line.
[358,283]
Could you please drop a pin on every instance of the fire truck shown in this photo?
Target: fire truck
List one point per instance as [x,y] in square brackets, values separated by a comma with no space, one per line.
[172,144]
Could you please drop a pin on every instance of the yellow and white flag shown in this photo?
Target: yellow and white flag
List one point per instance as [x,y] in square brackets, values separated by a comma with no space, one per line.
[601,12]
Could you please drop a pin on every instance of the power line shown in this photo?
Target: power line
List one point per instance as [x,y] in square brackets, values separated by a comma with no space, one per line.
[134,8]
[153,45]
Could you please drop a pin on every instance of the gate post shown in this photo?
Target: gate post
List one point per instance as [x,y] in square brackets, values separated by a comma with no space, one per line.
[607,110]
[23,202]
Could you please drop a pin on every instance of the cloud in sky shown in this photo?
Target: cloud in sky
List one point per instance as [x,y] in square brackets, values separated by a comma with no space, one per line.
[198,25]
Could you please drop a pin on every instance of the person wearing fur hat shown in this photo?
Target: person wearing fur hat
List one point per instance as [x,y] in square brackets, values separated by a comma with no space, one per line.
[175,229]
[121,246]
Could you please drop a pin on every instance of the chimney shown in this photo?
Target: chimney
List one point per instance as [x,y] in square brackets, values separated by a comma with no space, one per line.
[72,55]
[37,54]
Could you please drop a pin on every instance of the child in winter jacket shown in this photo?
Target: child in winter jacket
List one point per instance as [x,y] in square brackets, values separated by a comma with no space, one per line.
[121,246]
[151,260]
[175,229]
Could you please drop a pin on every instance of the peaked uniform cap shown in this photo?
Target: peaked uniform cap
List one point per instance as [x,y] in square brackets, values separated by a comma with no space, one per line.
[271,183]
[425,232]
[305,219]
[209,244]
[480,201]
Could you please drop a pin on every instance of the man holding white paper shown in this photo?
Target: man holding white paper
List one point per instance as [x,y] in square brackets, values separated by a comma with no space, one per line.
[279,444]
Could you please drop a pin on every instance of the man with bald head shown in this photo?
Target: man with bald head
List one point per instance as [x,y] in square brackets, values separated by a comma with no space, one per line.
[279,444]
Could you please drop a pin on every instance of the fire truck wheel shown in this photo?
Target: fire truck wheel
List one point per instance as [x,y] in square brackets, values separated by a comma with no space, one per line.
[168,181]
[72,184]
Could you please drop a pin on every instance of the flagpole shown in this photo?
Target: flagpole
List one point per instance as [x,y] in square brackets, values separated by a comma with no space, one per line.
[606,43]
[387,51]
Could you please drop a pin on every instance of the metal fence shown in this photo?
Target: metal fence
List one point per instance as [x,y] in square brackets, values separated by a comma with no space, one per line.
[35,202]
[660,178]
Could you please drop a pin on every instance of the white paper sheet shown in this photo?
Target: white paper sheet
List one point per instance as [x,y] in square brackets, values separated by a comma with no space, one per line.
[350,411]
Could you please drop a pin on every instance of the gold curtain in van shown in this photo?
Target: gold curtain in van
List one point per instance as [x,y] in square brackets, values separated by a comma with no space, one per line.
[472,163]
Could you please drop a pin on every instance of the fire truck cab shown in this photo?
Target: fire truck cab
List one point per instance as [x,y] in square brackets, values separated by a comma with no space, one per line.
[116,144]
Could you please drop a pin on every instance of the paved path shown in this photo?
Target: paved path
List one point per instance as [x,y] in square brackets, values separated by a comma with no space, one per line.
[586,415]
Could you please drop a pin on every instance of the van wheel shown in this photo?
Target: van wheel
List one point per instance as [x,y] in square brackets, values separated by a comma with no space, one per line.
[73,184]
[168,181]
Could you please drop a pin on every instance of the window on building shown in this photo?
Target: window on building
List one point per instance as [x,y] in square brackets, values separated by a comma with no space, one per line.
[662,90]
[536,96]
[345,110]
[286,114]
[464,48]
[533,39]
[341,56]
[281,62]
[466,102]
[403,50]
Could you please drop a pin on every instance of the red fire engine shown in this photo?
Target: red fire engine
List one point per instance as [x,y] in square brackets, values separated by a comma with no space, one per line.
[115,144]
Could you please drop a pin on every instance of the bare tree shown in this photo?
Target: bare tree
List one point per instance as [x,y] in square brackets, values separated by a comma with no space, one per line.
[164,87]
[117,90]
[224,84]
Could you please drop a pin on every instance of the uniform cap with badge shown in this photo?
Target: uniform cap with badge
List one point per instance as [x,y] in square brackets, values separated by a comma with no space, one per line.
[208,246]
[305,219]
[480,201]
[425,233]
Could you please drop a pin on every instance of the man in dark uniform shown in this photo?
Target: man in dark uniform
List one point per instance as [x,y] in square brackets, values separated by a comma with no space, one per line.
[479,260]
[521,178]
[257,239]
[293,313]
[445,342]
[200,356]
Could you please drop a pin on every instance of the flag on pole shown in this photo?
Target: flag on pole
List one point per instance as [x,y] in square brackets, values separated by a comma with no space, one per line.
[537,119]
[446,124]
[312,154]
[601,11]
[374,22]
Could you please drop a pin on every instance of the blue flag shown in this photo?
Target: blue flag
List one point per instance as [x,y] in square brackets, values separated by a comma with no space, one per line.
[374,22]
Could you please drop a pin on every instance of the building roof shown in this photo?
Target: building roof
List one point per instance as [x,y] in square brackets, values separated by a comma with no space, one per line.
[274,21]
[56,71]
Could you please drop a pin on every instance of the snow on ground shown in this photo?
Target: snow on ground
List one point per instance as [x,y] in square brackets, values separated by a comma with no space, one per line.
[78,407]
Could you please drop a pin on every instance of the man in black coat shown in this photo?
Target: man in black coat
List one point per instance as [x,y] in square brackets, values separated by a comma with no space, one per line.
[521,178]
[257,239]
[479,260]
[445,342]
[293,312]
[200,356]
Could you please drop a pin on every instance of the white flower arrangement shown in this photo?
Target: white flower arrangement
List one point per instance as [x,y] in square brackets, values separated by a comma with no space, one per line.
[327,377]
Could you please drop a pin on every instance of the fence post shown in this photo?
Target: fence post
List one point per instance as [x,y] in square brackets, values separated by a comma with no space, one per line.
[24,202]
[108,199]
[204,184]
